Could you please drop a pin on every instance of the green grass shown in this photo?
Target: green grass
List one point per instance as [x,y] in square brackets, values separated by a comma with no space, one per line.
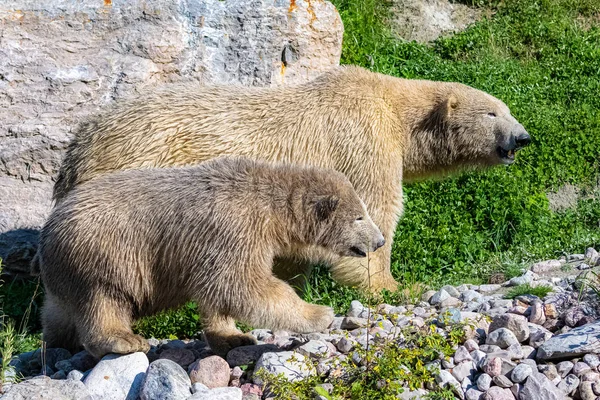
[539,291]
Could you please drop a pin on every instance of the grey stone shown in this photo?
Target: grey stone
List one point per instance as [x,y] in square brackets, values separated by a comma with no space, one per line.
[356,308]
[581,368]
[354,322]
[484,382]
[528,351]
[464,370]
[166,379]
[471,345]
[439,296]
[75,375]
[64,365]
[575,343]
[586,391]
[245,355]
[450,302]
[315,349]
[538,336]
[516,352]
[489,288]
[291,364]
[569,384]
[489,348]
[498,393]
[470,295]
[462,354]
[520,373]
[592,360]
[564,368]
[452,291]
[222,393]
[517,324]
[473,394]
[117,377]
[83,361]
[427,295]
[478,356]
[590,376]
[42,388]
[545,266]
[524,279]
[83,55]
[212,371]
[199,387]
[502,338]
[183,357]
[551,373]
[502,381]
[444,379]
[537,315]
[538,387]
[344,345]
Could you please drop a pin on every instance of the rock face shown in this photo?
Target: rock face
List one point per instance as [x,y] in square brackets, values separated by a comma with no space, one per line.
[60,61]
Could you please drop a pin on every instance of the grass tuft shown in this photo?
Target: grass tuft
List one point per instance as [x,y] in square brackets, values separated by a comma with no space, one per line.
[539,291]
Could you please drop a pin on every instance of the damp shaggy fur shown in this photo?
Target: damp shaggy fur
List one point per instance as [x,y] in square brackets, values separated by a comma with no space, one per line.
[133,243]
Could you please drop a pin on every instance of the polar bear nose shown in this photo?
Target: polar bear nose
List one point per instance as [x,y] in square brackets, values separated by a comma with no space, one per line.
[522,139]
[380,243]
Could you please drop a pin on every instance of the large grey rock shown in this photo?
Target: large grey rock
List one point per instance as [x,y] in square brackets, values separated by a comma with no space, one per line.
[575,343]
[502,338]
[166,380]
[517,324]
[117,377]
[62,60]
[538,387]
[44,388]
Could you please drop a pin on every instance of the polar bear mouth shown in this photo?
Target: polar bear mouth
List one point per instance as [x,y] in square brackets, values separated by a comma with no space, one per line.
[358,252]
[507,156]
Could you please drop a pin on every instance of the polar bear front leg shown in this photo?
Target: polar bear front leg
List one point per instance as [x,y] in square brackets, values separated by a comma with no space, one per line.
[222,335]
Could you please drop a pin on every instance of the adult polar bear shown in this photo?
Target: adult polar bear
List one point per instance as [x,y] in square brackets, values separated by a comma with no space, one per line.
[378,130]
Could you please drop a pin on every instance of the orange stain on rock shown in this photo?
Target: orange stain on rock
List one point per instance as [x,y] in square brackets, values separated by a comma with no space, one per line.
[311,11]
[292,6]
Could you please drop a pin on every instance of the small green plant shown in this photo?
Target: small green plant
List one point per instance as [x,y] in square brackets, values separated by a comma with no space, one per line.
[379,371]
[539,291]
[183,322]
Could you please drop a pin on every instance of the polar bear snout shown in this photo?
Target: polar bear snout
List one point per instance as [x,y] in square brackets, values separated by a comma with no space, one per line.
[522,139]
[380,243]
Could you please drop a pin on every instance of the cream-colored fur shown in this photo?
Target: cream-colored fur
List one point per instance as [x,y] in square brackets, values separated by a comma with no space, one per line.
[133,243]
[376,129]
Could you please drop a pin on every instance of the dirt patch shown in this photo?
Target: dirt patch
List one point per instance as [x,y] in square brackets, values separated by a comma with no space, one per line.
[564,198]
[567,196]
[426,20]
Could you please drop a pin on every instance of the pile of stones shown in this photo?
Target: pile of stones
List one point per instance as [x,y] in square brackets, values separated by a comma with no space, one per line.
[525,348]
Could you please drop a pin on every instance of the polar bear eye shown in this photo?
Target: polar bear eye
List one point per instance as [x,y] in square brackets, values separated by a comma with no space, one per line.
[491,115]
[359,218]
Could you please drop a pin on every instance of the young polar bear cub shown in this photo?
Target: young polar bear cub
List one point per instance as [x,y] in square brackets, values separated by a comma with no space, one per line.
[135,242]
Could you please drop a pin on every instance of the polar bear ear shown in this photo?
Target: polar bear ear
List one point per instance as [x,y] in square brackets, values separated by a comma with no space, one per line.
[325,206]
